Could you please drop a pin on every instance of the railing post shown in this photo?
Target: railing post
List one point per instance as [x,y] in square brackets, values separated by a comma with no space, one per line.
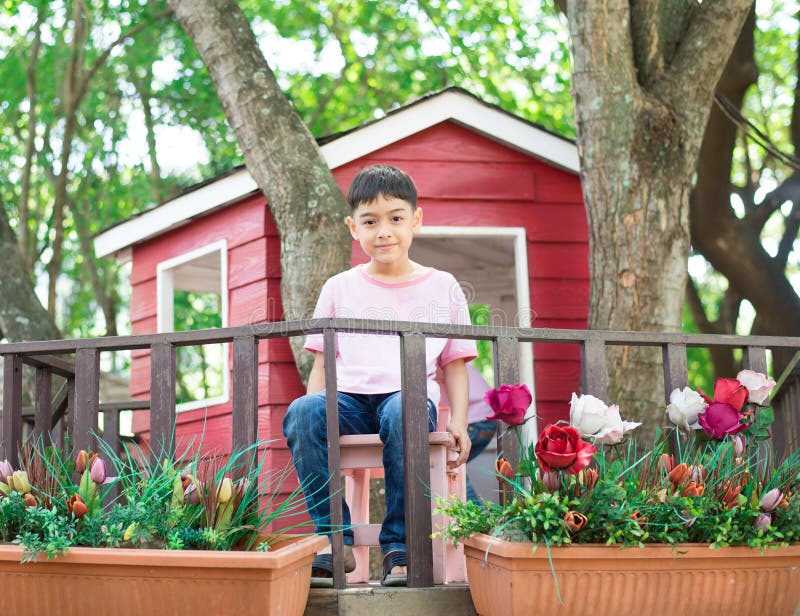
[43,413]
[505,353]
[334,455]
[416,460]
[594,374]
[676,376]
[111,429]
[162,401]
[755,358]
[12,408]
[245,399]
[87,398]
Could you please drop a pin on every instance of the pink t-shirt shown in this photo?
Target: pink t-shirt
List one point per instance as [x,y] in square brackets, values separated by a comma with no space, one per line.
[370,363]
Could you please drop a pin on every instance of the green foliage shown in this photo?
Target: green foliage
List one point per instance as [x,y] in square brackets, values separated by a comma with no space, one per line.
[479,315]
[191,504]
[633,500]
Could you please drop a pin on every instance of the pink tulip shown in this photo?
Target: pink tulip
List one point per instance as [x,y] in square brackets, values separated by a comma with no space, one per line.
[739,444]
[771,499]
[6,470]
[551,481]
[762,521]
[97,472]
[191,495]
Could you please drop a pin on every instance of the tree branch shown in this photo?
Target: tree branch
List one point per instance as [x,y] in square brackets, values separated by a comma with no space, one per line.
[701,55]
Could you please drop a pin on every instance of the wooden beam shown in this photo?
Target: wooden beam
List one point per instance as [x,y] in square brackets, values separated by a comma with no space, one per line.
[12,408]
[335,489]
[87,393]
[245,398]
[162,401]
[416,460]
[43,414]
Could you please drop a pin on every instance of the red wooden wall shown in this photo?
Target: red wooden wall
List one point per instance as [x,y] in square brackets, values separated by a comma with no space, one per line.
[463,178]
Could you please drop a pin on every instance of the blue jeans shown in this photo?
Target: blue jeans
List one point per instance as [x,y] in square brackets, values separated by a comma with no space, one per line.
[306,434]
[480,433]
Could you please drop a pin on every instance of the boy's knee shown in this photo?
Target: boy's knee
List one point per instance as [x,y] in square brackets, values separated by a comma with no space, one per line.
[304,414]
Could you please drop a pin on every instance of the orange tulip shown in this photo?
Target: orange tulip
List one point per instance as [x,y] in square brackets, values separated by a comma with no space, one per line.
[76,506]
[679,474]
[667,462]
[81,461]
[30,500]
[503,468]
[575,520]
[693,489]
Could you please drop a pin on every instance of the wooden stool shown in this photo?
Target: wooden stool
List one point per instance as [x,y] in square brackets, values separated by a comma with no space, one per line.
[362,460]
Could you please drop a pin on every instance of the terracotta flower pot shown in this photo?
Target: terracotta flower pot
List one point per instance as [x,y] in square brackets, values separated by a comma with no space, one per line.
[136,582]
[509,579]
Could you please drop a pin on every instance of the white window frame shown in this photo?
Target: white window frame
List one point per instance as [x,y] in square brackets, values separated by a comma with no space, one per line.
[523,293]
[165,310]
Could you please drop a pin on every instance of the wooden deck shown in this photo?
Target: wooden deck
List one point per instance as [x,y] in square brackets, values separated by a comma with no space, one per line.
[375,600]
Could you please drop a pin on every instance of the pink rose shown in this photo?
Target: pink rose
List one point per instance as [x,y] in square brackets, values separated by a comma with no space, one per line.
[561,447]
[721,419]
[509,403]
[758,385]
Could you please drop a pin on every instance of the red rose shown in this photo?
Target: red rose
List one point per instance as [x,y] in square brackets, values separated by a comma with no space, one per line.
[729,391]
[561,447]
[509,403]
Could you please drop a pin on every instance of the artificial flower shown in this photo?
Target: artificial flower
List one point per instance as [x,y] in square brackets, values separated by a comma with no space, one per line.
[551,481]
[729,391]
[503,468]
[762,521]
[562,448]
[771,500]
[684,406]
[758,386]
[596,420]
[509,403]
[575,520]
[721,419]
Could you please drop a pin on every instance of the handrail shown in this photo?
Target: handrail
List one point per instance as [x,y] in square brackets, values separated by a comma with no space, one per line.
[281,329]
[84,389]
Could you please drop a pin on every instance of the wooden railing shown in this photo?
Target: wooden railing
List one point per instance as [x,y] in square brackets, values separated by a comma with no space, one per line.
[85,391]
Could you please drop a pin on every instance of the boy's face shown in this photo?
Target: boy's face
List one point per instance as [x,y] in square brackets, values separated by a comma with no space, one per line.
[384,228]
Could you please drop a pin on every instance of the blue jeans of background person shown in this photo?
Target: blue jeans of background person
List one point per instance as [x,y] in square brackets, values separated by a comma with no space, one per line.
[306,432]
[480,433]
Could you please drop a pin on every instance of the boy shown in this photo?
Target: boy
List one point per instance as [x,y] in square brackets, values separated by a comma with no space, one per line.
[384,218]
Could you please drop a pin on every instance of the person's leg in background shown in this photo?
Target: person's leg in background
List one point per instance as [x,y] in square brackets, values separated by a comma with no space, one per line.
[480,434]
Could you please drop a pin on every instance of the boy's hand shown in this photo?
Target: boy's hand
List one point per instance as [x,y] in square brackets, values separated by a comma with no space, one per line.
[463,444]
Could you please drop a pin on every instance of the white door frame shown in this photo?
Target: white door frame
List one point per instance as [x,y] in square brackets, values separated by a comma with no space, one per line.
[517,234]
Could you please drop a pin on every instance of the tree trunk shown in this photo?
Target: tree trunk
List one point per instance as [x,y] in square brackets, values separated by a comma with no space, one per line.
[730,244]
[280,154]
[640,114]
[22,316]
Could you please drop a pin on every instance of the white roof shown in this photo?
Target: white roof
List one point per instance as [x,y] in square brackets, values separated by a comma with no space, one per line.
[452,104]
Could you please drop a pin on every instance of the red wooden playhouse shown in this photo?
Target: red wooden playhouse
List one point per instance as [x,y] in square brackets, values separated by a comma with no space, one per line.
[503,213]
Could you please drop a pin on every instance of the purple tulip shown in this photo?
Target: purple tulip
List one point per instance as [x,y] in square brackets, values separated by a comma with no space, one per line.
[191,495]
[762,521]
[6,470]
[771,499]
[552,481]
[721,419]
[739,444]
[97,472]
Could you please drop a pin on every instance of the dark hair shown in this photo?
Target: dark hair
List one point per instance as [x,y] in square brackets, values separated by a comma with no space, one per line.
[376,180]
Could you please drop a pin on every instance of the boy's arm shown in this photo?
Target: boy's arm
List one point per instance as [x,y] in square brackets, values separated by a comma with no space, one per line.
[457,385]
[316,378]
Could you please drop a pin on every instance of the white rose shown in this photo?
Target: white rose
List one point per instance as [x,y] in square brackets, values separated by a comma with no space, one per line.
[684,405]
[594,419]
[615,427]
[587,414]
[758,384]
